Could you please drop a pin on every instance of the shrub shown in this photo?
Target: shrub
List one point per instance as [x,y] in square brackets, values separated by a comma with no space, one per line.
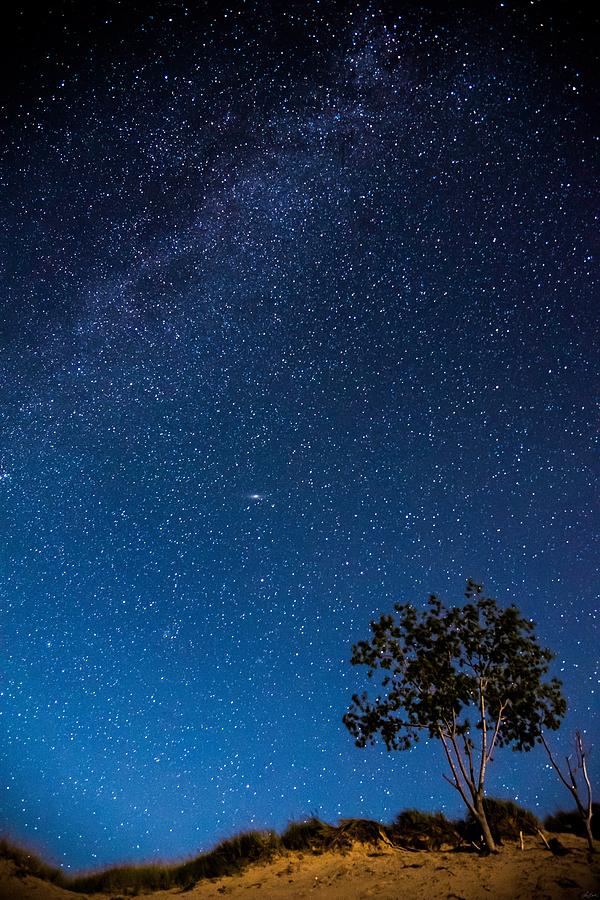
[319,837]
[571,822]
[506,819]
[363,831]
[423,831]
[312,834]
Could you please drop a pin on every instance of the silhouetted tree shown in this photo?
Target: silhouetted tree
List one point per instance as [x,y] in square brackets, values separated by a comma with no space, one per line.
[470,676]
[569,778]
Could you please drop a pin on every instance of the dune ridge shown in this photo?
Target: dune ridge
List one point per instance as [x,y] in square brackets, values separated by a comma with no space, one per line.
[368,871]
[420,855]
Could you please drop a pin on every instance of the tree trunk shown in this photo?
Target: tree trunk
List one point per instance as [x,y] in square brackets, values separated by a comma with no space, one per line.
[483,823]
[588,834]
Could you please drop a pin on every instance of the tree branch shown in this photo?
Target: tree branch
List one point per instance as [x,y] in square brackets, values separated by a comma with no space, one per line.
[470,784]
[499,721]
[571,774]
[456,783]
[584,770]
[483,762]
[557,768]
[469,757]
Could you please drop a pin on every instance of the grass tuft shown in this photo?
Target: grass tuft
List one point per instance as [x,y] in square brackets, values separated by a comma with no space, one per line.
[316,836]
[230,856]
[423,831]
[312,835]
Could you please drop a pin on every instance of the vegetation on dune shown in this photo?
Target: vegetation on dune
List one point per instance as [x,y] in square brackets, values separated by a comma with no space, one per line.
[230,856]
[133,879]
[361,831]
[571,822]
[507,820]
[471,676]
[318,837]
[29,863]
[227,858]
[418,830]
[411,829]
[312,834]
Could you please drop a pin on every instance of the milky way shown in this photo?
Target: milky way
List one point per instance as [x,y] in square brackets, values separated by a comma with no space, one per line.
[299,320]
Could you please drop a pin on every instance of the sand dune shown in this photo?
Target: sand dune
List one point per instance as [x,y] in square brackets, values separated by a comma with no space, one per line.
[385,874]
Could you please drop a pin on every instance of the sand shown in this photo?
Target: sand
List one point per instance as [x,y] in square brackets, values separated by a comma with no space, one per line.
[385,874]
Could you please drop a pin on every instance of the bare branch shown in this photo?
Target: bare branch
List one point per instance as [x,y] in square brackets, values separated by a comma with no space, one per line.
[584,770]
[463,771]
[585,811]
[557,768]
[499,721]
[469,757]
[456,783]
[482,711]
[571,774]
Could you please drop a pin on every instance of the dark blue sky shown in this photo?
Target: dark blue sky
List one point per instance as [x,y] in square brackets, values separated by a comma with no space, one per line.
[299,319]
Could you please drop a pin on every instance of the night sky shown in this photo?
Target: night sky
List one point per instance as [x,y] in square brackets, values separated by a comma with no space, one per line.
[299,319]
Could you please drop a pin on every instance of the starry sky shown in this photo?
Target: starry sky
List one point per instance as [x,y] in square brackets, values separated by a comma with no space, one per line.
[298,320]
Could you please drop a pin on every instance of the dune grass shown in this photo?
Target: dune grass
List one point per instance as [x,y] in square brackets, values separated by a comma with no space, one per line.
[227,858]
[417,830]
[316,836]
[28,863]
[506,820]
[411,829]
